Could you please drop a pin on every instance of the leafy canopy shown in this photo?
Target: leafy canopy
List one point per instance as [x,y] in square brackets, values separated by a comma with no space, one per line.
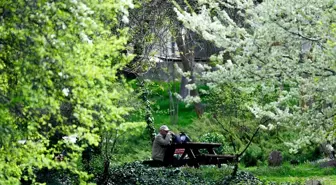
[285,47]
[58,65]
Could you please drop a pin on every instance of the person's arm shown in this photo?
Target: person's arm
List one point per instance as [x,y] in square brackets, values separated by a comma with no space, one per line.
[164,141]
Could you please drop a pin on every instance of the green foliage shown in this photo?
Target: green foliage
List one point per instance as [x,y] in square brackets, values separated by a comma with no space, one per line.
[225,99]
[211,173]
[295,174]
[136,173]
[309,153]
[55,177]
[58,65]
[214,137]
[242,178]
[135,147]
[96,165]
[158,97]
[252,156]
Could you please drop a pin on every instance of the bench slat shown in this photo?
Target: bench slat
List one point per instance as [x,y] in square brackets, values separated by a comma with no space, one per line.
[217,156]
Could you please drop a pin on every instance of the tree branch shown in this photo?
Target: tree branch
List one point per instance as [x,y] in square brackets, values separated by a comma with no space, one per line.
[231,139]
[255,133]
[299,34]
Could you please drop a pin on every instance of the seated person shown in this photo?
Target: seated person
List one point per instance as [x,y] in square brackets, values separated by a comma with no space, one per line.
[161,141]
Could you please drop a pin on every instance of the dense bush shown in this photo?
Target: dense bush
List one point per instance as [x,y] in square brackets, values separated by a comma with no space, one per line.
[137,173]
[310,153]
[246,178]
[242,178]
[252,156]
[53,177]
[282,183]
[214,138]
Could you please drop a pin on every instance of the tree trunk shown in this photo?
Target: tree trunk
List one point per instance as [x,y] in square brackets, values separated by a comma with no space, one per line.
[173,101]
[183,90]
[186,49]
[105,176]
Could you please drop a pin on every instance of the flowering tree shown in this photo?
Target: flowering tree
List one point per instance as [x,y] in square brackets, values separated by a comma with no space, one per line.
[283,47]
[58,64]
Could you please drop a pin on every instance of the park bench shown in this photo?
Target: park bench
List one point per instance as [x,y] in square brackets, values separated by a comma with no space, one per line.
[189,153]
[215,159]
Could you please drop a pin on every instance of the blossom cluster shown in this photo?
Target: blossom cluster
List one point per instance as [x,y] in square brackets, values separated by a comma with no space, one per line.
[285,47]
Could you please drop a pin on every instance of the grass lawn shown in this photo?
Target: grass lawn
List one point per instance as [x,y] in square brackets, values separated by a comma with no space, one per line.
[300,173]
[326,180]
[159,96]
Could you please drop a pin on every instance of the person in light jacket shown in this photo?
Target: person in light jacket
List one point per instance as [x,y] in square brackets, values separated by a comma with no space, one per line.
[161,141]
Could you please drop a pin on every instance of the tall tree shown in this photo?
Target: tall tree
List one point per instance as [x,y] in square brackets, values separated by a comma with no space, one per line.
[58,64]
[284,47]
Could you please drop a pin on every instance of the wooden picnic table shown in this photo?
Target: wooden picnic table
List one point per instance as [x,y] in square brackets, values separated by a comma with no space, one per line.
[193,156]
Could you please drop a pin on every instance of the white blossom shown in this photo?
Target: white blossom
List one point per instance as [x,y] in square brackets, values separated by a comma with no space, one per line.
[270,126]
[125,19]
[66,91]
[85,38]
[329,147]
[287,43]
[262,127]
[191,86]
[71,138]
[22,141]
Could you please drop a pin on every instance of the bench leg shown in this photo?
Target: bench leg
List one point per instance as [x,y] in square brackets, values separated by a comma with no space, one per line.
[192,158]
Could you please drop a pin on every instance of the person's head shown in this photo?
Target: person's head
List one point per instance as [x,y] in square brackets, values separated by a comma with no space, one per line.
[164,130]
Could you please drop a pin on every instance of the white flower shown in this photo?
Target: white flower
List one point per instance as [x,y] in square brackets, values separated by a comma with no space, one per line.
[186,74]
[262,127]
[199,66]
[178,96]
[329,147]
[71,138]
[202,91]
[22,141]
[178,69]
[229,64]
[207,67]
[125,19]
[66,91]
[85,38]
[293,151]
[270,127]
[76,115]
[191,86]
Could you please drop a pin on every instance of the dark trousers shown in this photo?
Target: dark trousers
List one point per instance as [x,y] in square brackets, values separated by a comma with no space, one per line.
[169,157]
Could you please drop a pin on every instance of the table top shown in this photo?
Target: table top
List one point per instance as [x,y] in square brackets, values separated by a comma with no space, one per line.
[196,145]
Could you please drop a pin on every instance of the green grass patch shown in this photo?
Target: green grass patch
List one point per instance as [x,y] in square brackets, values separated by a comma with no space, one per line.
[161,104]
[299,173]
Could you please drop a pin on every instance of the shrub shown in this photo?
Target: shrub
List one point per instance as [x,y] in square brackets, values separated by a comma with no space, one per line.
[137,173]
[214,138]
[243,178]
[54,177]
[253,156]
[310,153]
